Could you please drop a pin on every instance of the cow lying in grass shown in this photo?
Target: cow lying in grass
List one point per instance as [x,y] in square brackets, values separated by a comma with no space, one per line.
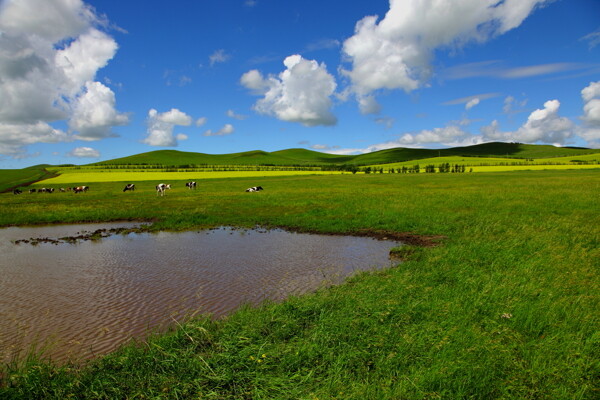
[254,189]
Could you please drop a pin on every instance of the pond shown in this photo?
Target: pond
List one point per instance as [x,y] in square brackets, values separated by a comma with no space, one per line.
[85,298]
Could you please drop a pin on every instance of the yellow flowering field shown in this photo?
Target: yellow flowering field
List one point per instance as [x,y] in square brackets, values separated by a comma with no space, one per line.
[87,176]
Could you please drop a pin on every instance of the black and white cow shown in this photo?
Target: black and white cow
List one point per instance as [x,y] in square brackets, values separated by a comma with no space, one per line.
[79,189]
[254,189]
[129,186]
[191,185]
[161,187]
[31,190]
[17,191]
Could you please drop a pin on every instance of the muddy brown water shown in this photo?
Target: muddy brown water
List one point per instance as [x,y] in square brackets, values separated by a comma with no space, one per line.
[85,299]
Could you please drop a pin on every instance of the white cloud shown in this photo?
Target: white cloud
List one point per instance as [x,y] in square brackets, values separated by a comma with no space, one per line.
[225,130]
[13,137]
[593,39]
[448,135]
[84,152]
[161,125]
[201,121]
[50,52]
[472,103]
[174,117]
[396,52]
[52,20]
[542,125]
[218,56]
[323,44]
[465,100]
[300,94]
[232,114]
[254,81]
[368,105]
[80,61]
[94,113]
[590,130]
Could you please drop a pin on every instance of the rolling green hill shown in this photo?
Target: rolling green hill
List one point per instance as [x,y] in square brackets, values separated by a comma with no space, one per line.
[14,178]
[308,157]
[303,158]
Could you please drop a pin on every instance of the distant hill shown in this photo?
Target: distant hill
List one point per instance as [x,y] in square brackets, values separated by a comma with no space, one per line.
[304,157]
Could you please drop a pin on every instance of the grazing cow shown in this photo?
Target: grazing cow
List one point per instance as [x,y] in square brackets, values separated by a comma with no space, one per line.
[79,189]
[129,186]
[31,190]
[62,190]
[191,185]
[17,191]
[161,187]
[254,189]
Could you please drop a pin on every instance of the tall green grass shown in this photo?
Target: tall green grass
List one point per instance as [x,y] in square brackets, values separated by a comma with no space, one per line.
[505,307]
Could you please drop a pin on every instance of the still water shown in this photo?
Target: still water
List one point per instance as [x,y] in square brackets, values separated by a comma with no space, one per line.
[87,298]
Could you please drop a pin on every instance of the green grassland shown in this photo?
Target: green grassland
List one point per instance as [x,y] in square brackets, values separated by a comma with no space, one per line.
[504,307]
[303,157]
[168,165]
[15,178]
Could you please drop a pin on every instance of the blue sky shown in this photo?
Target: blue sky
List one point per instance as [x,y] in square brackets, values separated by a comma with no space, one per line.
[87,81]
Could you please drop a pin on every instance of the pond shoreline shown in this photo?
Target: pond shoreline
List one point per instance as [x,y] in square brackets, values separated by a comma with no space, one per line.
[408,238]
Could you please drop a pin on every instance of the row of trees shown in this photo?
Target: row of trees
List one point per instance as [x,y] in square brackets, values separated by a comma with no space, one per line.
[415,169]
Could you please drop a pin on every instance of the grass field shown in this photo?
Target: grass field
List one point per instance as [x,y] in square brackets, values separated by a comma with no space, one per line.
[506,306]
[14,178]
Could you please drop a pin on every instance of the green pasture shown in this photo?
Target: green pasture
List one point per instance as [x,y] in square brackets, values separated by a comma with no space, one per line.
[504,307]
[304,157]
[15,178]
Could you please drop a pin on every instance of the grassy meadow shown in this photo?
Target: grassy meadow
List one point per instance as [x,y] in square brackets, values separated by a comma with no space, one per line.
[504,306]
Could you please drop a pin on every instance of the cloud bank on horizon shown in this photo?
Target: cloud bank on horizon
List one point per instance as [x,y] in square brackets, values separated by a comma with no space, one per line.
[51,52]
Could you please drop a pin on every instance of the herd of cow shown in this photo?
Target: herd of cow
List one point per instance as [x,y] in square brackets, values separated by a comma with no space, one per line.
[76,189]
[160,188]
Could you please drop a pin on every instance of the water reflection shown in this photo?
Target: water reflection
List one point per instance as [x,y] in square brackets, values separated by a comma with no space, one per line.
[89,297]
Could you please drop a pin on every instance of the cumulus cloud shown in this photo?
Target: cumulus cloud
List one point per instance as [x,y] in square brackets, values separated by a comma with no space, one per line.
[13,137]
[590,130]
[84,152]
[50,52]
[543,125]
[161,125]
[94,113]
[301,93]
[201,121]
[396,52]
[227,129]
[450,135]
